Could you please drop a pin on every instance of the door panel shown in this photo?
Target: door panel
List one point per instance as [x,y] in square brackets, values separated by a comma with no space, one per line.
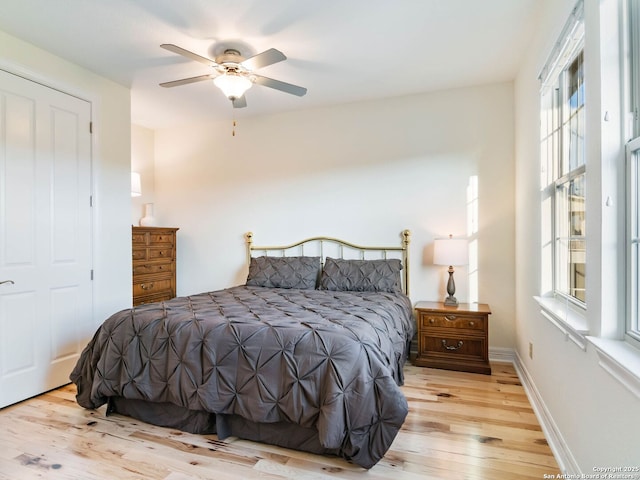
[45,235]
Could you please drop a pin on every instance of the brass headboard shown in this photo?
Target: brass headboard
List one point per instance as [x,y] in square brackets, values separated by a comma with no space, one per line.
[319,246]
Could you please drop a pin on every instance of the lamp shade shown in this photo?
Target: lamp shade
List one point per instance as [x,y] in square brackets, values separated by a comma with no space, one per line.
[136,188]
[450,251]
[232,84]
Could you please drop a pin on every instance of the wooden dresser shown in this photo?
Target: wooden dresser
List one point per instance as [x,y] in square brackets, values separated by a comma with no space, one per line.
[154,264]
[453,338]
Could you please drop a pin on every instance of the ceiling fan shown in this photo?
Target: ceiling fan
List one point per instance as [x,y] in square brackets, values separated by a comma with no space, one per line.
[234,74]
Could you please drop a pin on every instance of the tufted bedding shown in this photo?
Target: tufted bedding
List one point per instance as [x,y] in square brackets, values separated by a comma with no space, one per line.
[309,369]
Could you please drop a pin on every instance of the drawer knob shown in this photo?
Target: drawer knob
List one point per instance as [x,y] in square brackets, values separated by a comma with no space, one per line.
[431,320]
[451,318]
[471,324]
[146,287]
[452,347]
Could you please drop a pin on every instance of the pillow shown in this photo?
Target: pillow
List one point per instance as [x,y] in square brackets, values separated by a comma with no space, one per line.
[284,272]
[361,275]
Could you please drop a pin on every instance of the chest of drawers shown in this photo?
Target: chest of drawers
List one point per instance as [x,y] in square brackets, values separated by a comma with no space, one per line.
[154,264]
[453,338]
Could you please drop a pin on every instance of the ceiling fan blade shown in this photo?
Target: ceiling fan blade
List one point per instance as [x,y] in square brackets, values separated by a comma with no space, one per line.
[186,53]
[268,57]
[184,81]
[239,102]
[278,85]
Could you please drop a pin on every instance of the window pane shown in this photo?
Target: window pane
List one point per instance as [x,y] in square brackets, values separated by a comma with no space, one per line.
[580,137]
[570,238]
[634,325]
[634,250]
[577,264]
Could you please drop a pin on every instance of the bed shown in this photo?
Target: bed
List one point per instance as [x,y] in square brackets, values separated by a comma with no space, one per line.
[308,354]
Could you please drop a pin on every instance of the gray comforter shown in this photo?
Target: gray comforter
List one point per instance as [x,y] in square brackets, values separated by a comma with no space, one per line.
[325,362]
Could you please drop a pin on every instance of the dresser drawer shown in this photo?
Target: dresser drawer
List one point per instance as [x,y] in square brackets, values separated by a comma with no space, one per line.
[152,287]
[158,297]
[153,268]
[139,253]
[152,253]
[161,239]
[452,320]
[138,239]
[156,253]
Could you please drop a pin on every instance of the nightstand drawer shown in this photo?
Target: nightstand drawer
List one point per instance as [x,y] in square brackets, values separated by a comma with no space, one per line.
[449,346]
[451,320]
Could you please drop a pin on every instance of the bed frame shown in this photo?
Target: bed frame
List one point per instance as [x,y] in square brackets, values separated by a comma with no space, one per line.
[333,247]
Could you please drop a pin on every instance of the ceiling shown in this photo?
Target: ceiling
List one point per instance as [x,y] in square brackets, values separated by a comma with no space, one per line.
[340,50]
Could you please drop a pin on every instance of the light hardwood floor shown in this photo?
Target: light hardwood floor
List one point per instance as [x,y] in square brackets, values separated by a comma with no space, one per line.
[460,426]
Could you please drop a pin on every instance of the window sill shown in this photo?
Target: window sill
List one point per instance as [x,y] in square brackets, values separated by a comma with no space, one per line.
[571,323]
[620,360]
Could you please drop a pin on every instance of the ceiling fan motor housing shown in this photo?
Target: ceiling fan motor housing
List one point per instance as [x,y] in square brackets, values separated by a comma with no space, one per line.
[230,55]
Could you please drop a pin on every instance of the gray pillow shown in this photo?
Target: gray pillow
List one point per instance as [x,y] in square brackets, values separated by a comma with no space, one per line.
[284,272]
[361,275]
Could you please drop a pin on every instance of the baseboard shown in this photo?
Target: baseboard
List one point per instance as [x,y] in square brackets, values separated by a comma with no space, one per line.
[560,449]
[501,355]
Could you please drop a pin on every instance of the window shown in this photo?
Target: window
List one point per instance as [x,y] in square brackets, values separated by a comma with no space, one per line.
[563,182]
[633,176]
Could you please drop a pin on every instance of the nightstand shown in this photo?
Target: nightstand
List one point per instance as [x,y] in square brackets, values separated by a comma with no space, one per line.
[453,338]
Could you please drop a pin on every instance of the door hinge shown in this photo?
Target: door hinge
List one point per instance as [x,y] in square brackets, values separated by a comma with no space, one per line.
[90,127]
[91,274]
[91,200]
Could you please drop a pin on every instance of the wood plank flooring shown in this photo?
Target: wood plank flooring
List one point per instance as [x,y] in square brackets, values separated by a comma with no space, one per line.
[460,426]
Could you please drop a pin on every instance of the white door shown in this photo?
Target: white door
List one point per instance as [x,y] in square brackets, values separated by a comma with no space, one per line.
[45,236]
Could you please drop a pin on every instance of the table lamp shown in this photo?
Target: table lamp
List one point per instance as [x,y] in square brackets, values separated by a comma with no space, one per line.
[450,251]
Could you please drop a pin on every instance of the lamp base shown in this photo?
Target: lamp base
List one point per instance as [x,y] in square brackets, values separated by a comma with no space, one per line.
[451,289]
[451,301]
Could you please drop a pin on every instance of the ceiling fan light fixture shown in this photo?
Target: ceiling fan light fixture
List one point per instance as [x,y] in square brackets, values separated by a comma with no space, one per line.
[232,84]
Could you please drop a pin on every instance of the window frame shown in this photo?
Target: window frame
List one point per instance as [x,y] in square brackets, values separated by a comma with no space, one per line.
[556,149]
[632,324]
[632,186]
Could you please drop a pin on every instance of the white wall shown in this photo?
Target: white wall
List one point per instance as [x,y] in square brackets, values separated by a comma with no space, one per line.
[142,162]
[111,163]
[596,418]
[362,172]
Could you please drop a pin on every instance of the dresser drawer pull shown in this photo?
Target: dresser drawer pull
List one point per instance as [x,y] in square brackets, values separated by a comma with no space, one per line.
[146,287]
[452,347]
[431,320]
[471,324]
[451,318]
